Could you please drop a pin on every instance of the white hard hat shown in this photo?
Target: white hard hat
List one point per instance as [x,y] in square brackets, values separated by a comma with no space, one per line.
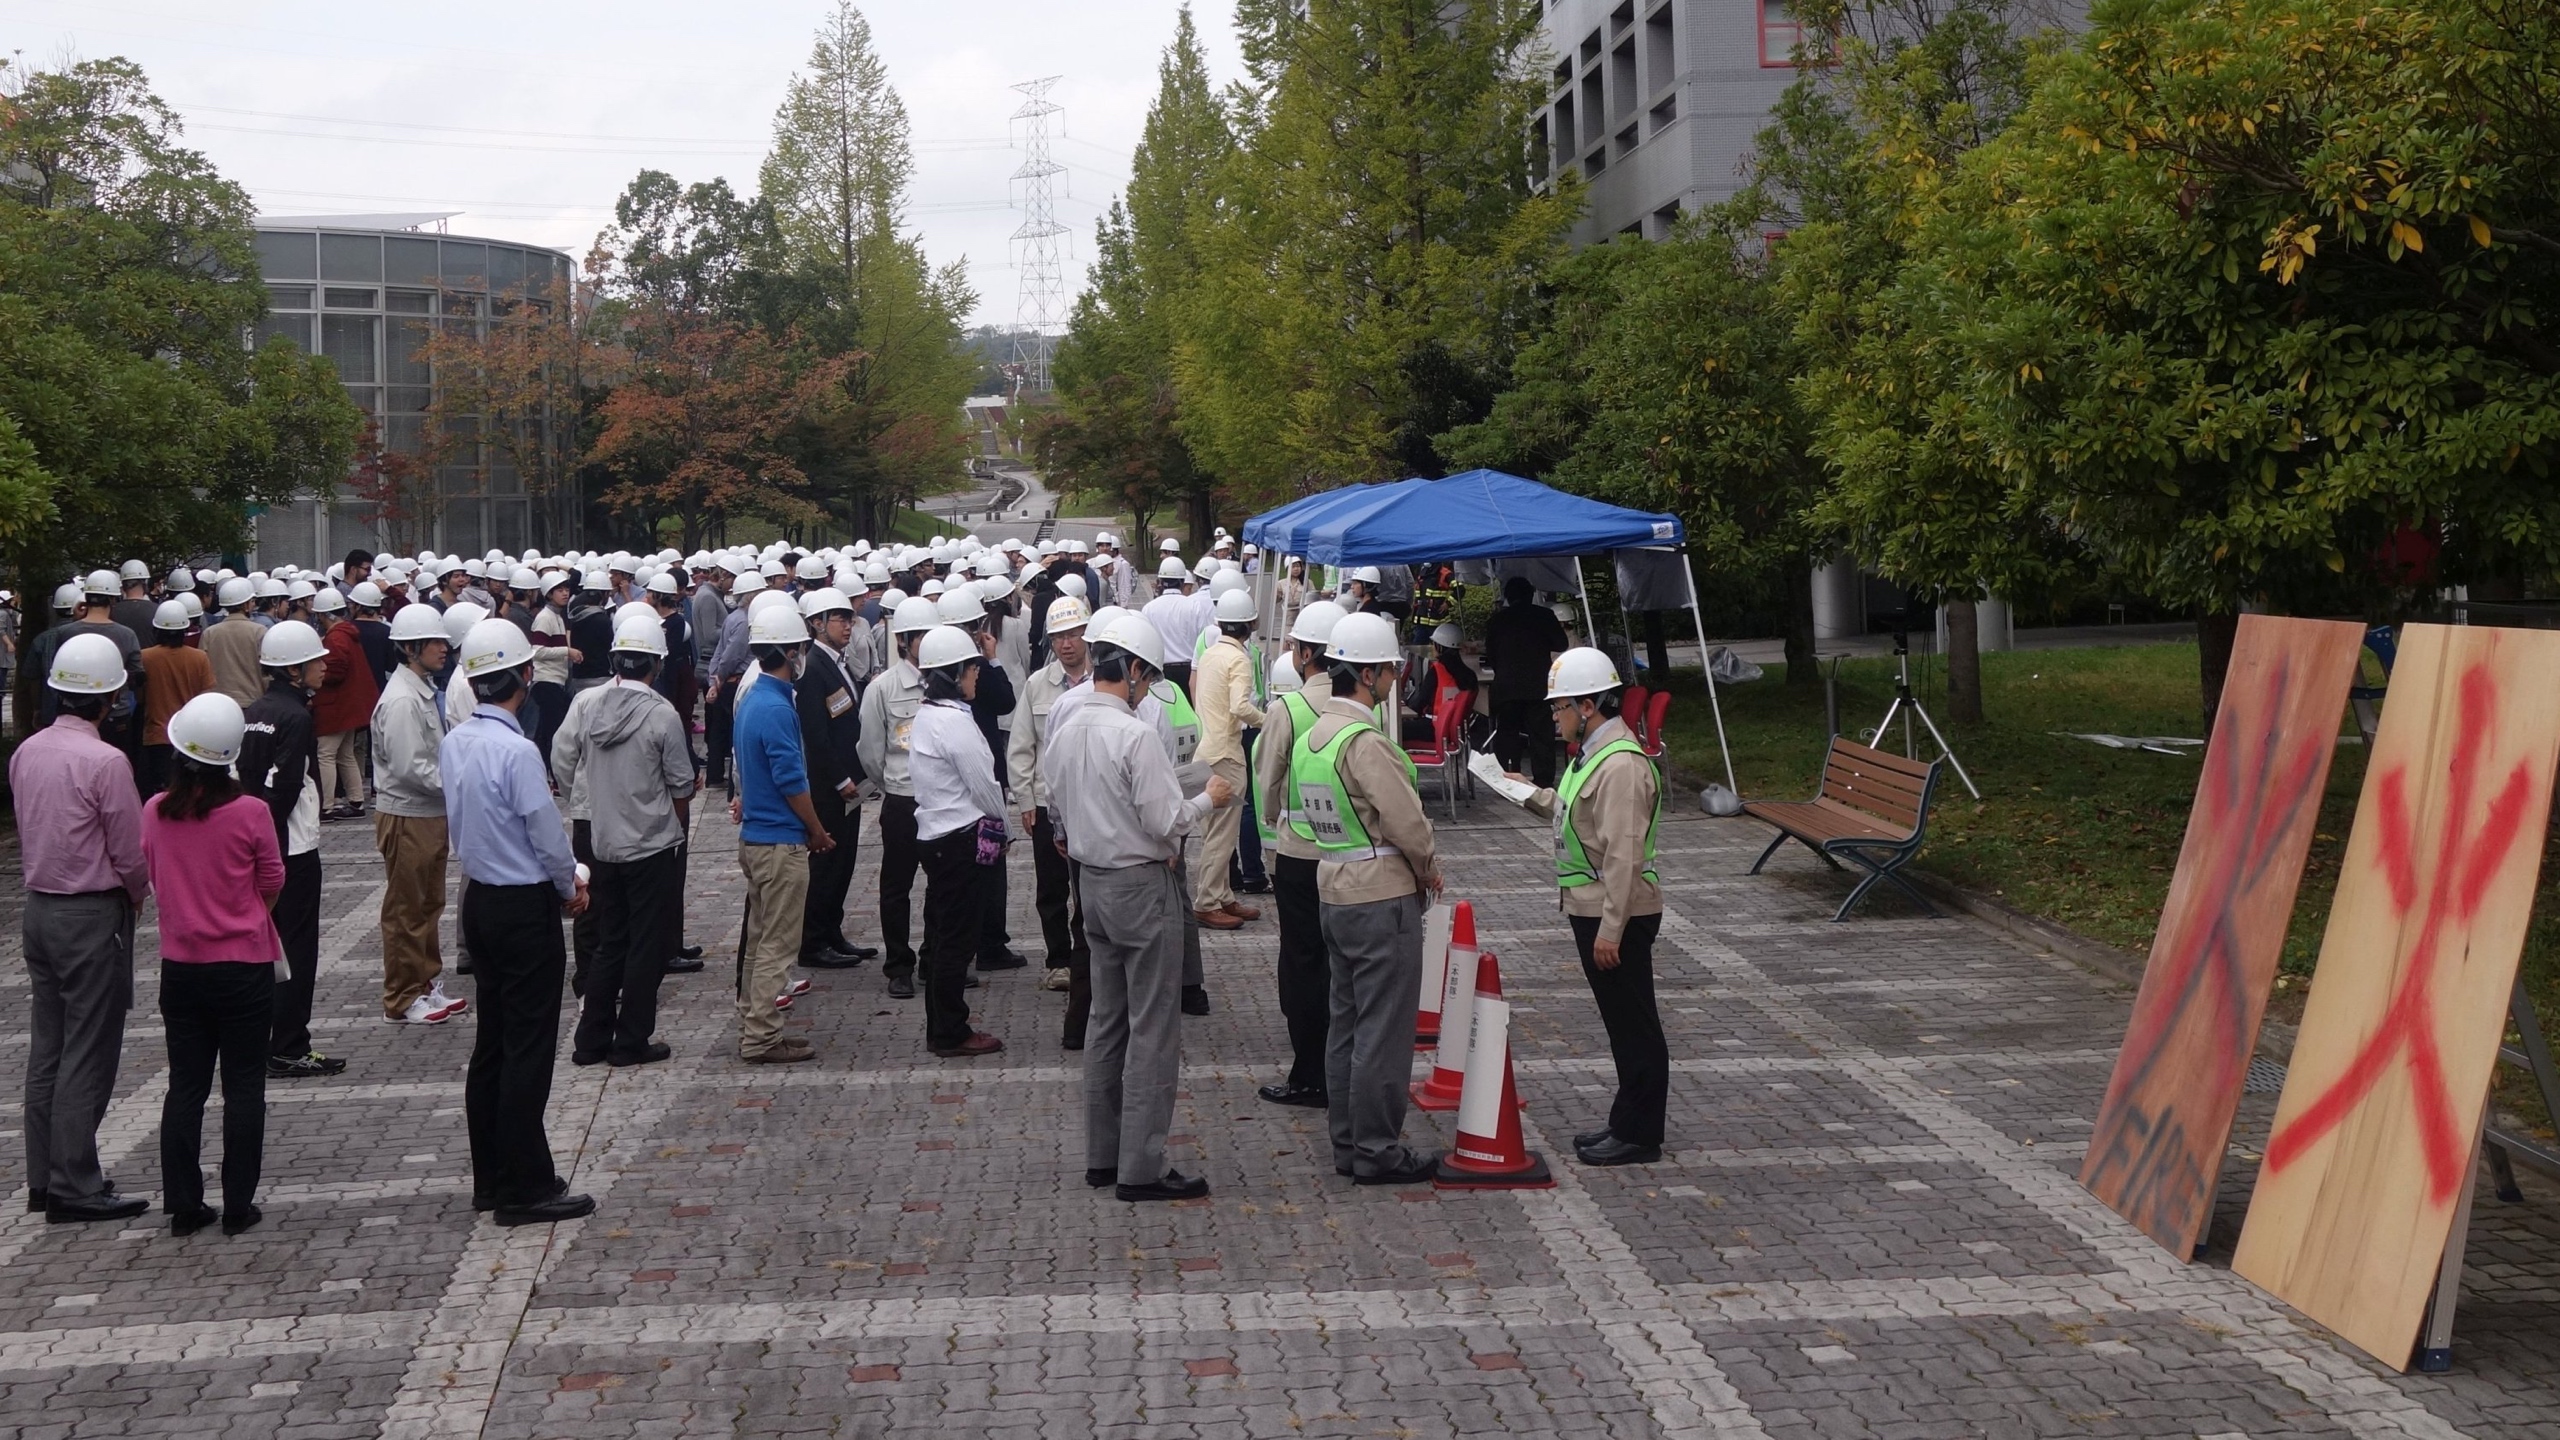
[635,610]
[1580,671]
[66,596]
[1135,634]
[997,586]
[103,582]
[770,600]
[932,589]
[1366,575]
[777,625]
[523,578]
[824,601]
[1078,547]
[595,580]
[554,579]
[643,634]
[171,616]
[1173,569]
[182,578]
[1316,622]
[624,563]
[1228,582]
[233,594]
[328,601]
[418,622]
[1284,676]
[663,583]
[208,577]
[1067,613]
[302,590]
[290,642]
[748,583]
[770,569]
[207,729]
[442,566]
[914,615]
[135,570]
[492,647]
[960,605]
[1101,620]
[366,595]
[337,571]
[1106,538]
[1169,545]
[1364,639]
[875,574]
[1048,548]
[87,664]
[459,621]
[1252,549]
[946,645]
[194,607]
[1071,585]
[1236,607]
[476,569]
[668,556]
[1447,636]
[270,588]
[811,568]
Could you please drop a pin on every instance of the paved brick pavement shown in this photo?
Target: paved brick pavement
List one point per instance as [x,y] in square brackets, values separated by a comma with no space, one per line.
[1868,1227]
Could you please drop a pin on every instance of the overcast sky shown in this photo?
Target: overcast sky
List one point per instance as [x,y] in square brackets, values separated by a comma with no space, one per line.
[528,118]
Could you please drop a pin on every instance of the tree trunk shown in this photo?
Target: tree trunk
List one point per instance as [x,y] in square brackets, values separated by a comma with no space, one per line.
[2215,635]
[1802,668]
[1657,647]
[1964,663]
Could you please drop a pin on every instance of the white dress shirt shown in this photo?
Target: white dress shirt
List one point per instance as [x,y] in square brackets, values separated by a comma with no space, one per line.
[953,772]
[1113,789]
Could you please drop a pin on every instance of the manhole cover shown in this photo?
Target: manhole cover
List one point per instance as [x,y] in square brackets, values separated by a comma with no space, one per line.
[2266,1077]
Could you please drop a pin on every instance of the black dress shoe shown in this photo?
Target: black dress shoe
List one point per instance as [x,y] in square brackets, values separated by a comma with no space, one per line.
[546,1212]
[1253,887]
[462,966]
[586,1057]
[650,1054]
[1419,1172]
[246,1219]
[1174,1186]
[105,1205]
[1195,1000]
[481,1201]
[1614,1151]
[38,1202]
[1070,1042]
[303,1067]
[858,952]
[902,987]
[1281,1092]
[1589,1138]
[686,966]
[1107,1175]
[971,983]
[188,1222]
[827,960]
[687,952]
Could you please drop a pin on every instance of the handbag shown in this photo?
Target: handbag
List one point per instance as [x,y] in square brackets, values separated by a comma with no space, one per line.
[991,840]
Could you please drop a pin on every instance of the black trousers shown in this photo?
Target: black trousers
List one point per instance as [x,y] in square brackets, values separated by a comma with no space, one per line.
[1245,866]
[215,1014]
[583,931]
[1306,976]
[1079,966]
[1179,672]
[1525,731]
[1061,928]
[297,916]
[954,887]
[515,932]
[1627,1011]
[716,714]
[830,877]
[550,707]
[639,910]
[151,769]
[899,858]
[995,896]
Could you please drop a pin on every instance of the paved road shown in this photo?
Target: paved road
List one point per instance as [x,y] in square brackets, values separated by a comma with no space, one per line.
[1868,1227]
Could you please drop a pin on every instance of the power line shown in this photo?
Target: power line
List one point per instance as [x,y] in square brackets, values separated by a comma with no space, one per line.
[1041,302]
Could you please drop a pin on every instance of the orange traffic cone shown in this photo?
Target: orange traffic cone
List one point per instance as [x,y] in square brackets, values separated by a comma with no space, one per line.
[1436,929]
[1457,1010]
[1490,1153]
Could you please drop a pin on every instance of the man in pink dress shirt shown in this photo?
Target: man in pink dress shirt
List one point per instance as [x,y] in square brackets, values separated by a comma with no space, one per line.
[80,847]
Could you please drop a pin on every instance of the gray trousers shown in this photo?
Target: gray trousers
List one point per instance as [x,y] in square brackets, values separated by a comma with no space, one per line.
[79,952]
[1133,1040]
[1376,954]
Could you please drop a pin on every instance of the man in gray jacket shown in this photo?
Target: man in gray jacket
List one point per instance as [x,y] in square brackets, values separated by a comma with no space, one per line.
[622,750]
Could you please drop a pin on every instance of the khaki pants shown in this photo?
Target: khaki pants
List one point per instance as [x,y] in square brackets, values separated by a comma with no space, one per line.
[413,858]
[777,892]
[341,769]
[1217,846]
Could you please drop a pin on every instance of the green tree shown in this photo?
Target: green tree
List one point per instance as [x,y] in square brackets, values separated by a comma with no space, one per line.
[134,417]
[1367,256]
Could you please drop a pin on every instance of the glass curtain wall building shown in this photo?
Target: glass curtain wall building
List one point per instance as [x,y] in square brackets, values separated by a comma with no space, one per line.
[366,292]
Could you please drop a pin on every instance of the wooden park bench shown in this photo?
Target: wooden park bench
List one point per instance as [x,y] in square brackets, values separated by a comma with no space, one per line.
[1872,809]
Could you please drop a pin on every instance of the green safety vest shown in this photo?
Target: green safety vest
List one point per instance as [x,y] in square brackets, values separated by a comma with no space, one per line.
[1185,720]
[1318,809]
[1573,867]
[1302,719]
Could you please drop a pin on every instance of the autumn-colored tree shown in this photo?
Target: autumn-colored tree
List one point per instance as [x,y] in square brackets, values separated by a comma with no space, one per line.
[397,487]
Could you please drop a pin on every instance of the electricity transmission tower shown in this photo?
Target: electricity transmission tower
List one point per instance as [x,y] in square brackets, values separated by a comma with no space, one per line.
[1041,308]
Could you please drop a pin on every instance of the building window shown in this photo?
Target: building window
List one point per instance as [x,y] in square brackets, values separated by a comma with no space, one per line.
[1780,34]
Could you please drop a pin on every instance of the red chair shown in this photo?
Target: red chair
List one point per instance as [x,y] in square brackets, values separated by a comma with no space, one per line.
[1447,751]
[1657,710]
[1631,709]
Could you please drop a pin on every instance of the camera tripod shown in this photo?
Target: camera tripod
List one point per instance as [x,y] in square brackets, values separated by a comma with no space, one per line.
[1906,705]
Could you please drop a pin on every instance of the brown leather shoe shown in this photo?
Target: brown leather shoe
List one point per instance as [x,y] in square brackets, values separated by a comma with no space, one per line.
[788,1050]
[1217,920]
[1242,911]
[978,1043]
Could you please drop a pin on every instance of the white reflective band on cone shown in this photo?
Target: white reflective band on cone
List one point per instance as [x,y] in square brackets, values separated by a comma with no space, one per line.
[1457,1011]
[1480,1107]
[1436,923]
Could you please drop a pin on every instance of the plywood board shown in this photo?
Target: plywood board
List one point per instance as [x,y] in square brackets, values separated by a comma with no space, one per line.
[2371,1145]
[2158,1144]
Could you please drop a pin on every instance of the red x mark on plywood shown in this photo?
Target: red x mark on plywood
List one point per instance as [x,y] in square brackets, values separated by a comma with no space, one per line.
[2465,866]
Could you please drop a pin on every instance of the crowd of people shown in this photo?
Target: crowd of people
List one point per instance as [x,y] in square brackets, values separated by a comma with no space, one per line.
[548,724]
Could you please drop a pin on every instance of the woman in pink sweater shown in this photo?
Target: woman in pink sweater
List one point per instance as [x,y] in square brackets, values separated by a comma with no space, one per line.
[214,863]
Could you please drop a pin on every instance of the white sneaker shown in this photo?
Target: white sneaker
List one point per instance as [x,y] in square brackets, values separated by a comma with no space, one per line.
[427,1009]
[782,1001]
[798,987]
[1056,980]
[454,1004]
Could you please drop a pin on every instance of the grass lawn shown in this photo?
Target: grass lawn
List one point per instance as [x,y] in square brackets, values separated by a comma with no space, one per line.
[2081,835]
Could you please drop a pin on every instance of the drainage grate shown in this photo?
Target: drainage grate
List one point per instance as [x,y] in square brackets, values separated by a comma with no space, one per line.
[2266,1077]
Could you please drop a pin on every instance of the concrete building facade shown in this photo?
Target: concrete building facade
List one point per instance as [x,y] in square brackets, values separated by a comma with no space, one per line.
[1655,103]
[364,292]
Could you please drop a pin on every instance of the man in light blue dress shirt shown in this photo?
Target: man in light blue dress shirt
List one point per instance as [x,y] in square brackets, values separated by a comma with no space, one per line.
[519,879]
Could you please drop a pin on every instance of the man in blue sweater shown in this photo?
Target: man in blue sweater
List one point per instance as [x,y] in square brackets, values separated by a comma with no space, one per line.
[778,830]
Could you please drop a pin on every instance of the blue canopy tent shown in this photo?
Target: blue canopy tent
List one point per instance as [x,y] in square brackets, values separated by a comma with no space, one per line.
[1479,515]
